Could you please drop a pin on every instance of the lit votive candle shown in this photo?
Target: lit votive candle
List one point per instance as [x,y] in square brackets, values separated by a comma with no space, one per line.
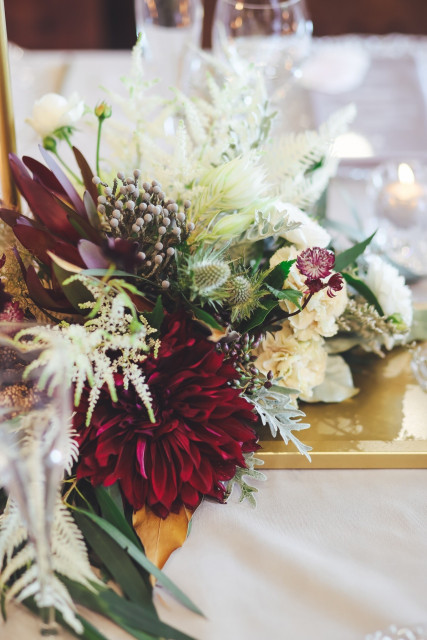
[402,201]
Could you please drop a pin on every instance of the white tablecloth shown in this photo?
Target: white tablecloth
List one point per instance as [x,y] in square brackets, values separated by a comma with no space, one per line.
[326,555]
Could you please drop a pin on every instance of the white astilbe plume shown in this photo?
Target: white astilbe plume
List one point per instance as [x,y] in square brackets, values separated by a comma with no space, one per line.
[291,158]
[89,347]
[276,410]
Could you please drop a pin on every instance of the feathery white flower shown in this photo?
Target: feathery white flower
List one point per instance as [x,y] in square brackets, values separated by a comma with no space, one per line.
[389,287]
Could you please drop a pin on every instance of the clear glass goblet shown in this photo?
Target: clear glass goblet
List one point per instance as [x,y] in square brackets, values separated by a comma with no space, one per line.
[274,36]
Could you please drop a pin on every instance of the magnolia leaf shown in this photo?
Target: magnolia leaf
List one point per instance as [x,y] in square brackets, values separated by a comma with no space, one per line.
[347,258]
[161,537]
[338,383]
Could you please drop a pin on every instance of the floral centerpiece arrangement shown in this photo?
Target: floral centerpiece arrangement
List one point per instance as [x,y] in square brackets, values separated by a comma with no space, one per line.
[188,293]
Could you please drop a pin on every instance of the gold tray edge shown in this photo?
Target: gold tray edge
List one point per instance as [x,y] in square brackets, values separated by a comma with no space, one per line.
[341,460]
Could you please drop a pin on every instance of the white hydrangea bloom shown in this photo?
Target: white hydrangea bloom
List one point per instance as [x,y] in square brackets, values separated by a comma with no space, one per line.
[308,234]
[389,287]
[53,111]
[319,316]
[296,364]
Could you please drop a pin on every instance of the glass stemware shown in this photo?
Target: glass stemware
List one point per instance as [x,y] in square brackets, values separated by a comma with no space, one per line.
[168,26]
[274,36]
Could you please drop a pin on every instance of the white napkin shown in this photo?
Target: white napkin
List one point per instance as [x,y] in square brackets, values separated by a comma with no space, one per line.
[335,68]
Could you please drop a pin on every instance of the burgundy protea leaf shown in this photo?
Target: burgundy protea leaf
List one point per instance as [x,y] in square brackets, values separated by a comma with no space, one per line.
[86,172]
[42,203]
[315,262]
[50,299]
[65,183]
[92,255]
[45,177]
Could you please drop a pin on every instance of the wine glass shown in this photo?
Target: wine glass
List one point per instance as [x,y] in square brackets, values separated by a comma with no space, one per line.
[274,36]
[168,26]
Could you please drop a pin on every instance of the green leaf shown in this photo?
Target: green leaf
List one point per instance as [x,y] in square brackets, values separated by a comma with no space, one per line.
[111,512]
[347,258]
[127,615]
[75,292]
[155,317]
[277,277]
[364,291]
[142,560]
[293,295]
[260,315]
[89,633]
[204,316]
[117,562]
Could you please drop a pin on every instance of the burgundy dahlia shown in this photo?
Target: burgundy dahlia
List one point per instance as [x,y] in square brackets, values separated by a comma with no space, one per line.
[201,431]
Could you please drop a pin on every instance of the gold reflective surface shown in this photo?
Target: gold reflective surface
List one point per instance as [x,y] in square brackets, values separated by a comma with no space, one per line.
[383,426]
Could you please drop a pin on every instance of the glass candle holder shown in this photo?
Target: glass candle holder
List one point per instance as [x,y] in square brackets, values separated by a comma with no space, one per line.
[399,190]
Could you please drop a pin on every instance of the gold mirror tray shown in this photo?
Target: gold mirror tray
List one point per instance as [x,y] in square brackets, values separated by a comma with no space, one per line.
[383,426]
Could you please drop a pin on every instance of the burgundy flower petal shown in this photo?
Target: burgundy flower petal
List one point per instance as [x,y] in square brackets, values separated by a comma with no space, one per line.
[202,427]
[315,262]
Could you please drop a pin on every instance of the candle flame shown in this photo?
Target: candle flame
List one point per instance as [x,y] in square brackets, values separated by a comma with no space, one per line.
[405,174]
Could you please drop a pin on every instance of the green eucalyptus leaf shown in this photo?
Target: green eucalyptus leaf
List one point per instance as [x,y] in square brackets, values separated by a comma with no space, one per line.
[348,257]
[362,288]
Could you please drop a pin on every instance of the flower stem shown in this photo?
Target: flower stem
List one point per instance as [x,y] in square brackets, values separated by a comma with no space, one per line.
[65,165]
[98,145]
[306,301]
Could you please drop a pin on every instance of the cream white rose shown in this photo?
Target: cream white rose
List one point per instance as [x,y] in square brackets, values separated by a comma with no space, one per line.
[389,288]
[319,316]
[300,363]
[53,111]
[308,234]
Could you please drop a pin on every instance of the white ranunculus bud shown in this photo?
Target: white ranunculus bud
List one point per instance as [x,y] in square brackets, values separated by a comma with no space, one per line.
[53,111]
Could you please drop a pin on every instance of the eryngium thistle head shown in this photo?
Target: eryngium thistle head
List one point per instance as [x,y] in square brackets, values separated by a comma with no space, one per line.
[209,276]
[240,290]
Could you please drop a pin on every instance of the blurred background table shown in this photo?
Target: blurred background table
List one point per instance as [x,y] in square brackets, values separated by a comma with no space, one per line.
[328,555]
